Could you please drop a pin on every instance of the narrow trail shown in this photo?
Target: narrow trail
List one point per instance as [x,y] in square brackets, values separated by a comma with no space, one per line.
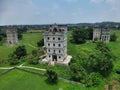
[32,68]
[6,67]
[32,46]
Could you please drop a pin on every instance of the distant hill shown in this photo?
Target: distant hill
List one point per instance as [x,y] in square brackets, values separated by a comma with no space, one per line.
[113,25]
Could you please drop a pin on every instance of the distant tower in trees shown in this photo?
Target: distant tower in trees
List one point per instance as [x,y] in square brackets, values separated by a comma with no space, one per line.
[12,36]
[102,34]
[55,41]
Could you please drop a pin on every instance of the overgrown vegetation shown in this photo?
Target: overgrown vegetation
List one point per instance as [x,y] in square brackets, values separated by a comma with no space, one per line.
[98,64]
[2,36]
[15,57]
[20,31]
[40,43]
[113,37]
[52,77]
[81,35]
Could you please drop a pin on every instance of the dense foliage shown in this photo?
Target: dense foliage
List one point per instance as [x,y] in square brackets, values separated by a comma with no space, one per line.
[32,59]
[21,31]
[13,60]
[2,36]
[52,77]
[89,67]
[113,37]
[40,43]
[80,35]
[20,51]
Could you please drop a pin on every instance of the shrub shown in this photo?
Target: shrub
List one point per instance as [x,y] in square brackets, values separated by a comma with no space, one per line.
[52,77]
[40,43]
[20,51]
[13,60]
[113,37]
[32,60]
[118,71]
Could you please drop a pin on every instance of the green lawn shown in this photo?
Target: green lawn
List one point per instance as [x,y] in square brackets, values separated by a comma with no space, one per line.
[19,80]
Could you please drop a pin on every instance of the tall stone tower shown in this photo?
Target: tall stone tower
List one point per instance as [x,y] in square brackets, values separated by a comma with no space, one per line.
[12,37]
[102,34]
[55,41]
[105,35]
[96,33]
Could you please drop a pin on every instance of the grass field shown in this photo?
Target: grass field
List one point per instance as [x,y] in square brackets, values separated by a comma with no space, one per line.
[19,80]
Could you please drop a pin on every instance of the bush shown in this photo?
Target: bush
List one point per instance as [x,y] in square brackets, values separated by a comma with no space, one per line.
[20,51]
[40,43]
[113,37]
[52,77]
[13,60]
[96,78]
[118,71]
[32,60]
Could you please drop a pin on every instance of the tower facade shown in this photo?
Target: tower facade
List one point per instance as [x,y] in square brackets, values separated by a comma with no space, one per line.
[55,41]
[12,37]
[105,35]
[102,34]
[96,33]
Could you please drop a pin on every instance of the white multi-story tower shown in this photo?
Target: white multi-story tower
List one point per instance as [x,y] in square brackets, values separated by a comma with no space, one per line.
[12,37]
[55,41]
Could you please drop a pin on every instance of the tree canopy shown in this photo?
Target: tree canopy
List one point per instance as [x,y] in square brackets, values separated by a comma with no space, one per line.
[80,35]
[20,51]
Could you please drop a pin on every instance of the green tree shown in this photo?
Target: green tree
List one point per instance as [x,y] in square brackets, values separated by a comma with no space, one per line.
[93,79]
[102,64]
[78,72]
[79,36]
[20,36]
[90,33]
[113,37]
[0,38]
[40,43]
[102,60]
[13,60]
[20,51]
[52,77]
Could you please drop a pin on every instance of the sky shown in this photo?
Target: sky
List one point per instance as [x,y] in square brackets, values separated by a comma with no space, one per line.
[15,12]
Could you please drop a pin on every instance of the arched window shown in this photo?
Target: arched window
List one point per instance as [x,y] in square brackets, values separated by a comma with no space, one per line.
[54,51]
[59,56]
[53,44]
